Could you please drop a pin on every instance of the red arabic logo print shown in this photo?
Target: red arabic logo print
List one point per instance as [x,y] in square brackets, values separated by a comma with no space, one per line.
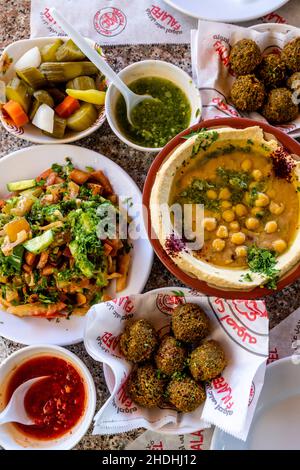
[273,18]
[164,20]
[123,399]
[251,309]
[166,303]
[110,21]
[222,387]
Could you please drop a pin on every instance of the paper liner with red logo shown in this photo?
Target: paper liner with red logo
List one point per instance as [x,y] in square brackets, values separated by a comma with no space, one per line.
[211,45]
[284,342]
[149,440]
[116,21]
[240,326]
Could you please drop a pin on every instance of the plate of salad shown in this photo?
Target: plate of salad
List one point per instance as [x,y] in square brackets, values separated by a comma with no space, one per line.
[71,235]
[49,91]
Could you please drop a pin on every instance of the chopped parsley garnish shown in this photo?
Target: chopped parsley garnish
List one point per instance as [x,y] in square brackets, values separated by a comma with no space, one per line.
[246,277]
[195,193]
[160,374]
[235,179]
[204,140]
[263,261]
[178,375]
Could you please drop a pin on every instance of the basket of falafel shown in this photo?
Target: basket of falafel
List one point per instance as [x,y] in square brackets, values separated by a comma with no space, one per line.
[242,72]
[178,362]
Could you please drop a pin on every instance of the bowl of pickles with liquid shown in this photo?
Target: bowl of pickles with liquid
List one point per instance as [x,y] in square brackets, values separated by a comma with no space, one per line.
[50,91]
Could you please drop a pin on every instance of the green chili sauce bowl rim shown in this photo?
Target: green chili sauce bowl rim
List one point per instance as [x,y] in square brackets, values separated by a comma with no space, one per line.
[158,69]
[291,145]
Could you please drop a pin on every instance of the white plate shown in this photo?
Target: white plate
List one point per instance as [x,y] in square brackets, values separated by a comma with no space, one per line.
[28,163]
[226,10]
[278,28]
[276,422]
[110,378]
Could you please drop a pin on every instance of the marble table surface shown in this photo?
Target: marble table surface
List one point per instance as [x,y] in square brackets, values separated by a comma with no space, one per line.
[14,25]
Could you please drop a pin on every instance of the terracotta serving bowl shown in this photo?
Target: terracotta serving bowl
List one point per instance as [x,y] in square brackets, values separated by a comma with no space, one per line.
[292,146]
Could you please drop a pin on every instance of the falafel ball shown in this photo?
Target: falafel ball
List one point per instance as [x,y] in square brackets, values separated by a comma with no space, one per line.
[291,55]
[279,107]
[170,356]
[294,81]
[189,323]
[145,388]
[185,394]
[245,56]
[247,93]
[272,70]
[207,361]
[139,341]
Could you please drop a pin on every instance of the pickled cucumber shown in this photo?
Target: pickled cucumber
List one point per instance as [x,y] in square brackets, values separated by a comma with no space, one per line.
[48,52]
[83,118]
[33,77]
[41,96]
[19,91]
[57,94]
[69,52]
[58,72]
[58,128]
[82,83]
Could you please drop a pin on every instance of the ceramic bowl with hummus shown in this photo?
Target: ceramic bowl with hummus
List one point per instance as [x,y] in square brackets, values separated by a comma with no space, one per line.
[247,184]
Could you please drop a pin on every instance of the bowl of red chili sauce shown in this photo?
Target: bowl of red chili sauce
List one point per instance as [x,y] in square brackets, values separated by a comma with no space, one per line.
[62,405]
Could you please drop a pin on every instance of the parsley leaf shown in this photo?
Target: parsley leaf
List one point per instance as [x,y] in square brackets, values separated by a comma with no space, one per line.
[263,261]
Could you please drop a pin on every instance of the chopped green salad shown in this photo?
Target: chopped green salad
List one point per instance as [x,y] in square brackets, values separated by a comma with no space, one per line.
[59,242]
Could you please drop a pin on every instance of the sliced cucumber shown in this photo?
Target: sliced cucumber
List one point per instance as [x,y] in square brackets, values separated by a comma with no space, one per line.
[21,185]
[38,244]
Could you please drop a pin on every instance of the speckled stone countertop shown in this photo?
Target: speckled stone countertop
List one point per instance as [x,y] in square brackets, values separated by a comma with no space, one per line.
[14,25]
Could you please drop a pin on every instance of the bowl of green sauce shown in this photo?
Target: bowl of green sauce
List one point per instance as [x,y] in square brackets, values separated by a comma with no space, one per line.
[177,105]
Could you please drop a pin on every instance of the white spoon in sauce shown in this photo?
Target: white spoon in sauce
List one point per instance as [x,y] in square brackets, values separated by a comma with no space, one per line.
[131,99]
[15,412]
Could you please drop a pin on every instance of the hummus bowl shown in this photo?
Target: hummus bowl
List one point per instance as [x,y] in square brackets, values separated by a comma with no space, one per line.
[240,180]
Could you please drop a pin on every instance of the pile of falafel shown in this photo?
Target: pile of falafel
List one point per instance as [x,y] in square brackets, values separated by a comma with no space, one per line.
[266,83]
[171,371]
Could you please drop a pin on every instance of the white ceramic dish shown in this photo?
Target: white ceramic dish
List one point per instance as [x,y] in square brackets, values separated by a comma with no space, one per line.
[276,422]
[152,68]
[278,28]
[29,132]
[229,11]
[110,378]
[10,438]
[28,163]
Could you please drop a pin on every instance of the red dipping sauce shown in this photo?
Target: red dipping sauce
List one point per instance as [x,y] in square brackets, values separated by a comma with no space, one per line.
[55,403]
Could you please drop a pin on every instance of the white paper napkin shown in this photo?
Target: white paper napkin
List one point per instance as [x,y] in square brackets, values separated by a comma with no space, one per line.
[211,45]
[240,326]
[284,342]
[115,21]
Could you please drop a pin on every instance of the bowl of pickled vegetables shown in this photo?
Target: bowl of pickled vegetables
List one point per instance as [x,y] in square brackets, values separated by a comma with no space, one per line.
[50,91]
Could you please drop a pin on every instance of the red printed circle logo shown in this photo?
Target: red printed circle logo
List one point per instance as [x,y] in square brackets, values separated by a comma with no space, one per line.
[109,21]
[167,302]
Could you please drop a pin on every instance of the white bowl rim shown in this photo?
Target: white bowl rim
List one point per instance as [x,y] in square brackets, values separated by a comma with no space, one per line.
[278,364]
[86,375]
[37,140]
[138,65]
